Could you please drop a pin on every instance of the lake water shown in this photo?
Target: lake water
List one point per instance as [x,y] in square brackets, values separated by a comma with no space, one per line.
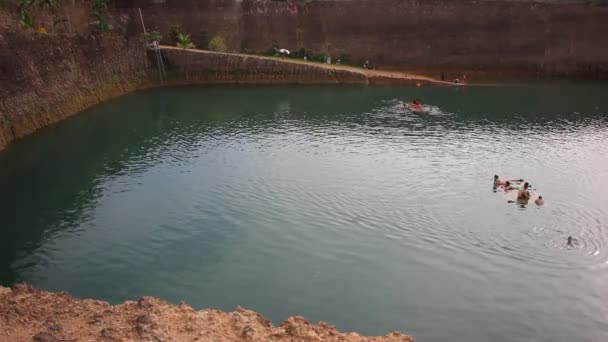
[334,203]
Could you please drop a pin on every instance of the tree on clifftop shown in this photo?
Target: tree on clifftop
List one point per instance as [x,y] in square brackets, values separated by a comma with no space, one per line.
[217,44]
[184,41]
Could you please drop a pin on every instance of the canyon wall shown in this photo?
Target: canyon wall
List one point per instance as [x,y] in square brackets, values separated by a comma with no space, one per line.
[46,78]
[507,38]
[49,75]
[203,67]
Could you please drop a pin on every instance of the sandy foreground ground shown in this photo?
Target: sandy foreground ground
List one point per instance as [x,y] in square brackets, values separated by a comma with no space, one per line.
[30,315]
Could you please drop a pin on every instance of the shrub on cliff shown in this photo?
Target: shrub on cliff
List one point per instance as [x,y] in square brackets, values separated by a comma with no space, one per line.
[26,19]
[184,41]
[174,33]
[245,48]
[152,36]
[217,44]
[99,16]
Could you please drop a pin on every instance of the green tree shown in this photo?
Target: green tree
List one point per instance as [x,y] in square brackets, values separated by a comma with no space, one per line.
[218,44]
[99,14]
[26,20]
[152,36]
[173,33]
[184,41]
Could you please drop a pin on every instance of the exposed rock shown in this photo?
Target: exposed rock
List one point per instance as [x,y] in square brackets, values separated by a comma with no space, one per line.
[500,38]
[29,315]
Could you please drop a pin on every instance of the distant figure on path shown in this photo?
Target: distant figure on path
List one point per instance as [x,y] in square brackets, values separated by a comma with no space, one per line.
[442,76]
[464,78]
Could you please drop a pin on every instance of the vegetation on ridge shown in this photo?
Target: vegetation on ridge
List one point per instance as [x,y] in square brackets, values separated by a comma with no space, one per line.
[99,14]
[217,44]
[184,41]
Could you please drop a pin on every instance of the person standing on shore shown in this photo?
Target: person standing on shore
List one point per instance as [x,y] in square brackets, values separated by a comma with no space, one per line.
[442,76]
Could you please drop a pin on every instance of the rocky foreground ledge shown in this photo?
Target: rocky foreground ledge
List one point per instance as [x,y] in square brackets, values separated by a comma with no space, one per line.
[30,315]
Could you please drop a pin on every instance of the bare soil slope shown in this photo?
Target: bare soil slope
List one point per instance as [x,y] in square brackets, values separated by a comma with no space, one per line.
[30,315]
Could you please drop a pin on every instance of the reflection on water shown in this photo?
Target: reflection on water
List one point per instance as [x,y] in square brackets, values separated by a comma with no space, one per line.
[336,203]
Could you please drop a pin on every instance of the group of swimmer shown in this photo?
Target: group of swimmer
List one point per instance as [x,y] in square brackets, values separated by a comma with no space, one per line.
[523,197]
[523,192]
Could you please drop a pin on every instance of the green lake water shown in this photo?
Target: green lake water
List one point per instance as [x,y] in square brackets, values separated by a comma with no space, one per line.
[335,203]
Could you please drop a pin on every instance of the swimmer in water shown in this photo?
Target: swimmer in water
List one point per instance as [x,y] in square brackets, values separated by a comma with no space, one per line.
[508,186]
[539,200]
[498,182]
[416,105]
[572,242]
[523,195]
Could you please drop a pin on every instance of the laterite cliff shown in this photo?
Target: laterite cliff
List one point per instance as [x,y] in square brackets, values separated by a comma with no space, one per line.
[497,38]
[45,77]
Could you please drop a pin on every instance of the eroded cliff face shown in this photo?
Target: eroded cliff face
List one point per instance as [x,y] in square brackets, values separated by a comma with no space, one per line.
[29,315]
[46,78]
[500,37]
[202,67]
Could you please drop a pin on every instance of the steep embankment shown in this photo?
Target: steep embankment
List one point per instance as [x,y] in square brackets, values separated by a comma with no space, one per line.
[200,66]
[46,78]
[26,315]
[499,38]
[205,67]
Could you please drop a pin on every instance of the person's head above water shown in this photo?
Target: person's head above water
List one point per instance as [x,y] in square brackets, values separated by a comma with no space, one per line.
[526,185]
[539,200]
[507,183]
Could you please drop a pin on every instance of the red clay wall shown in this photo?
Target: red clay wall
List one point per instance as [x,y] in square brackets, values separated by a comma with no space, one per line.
[508,37]
[45,78]
[186,67]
